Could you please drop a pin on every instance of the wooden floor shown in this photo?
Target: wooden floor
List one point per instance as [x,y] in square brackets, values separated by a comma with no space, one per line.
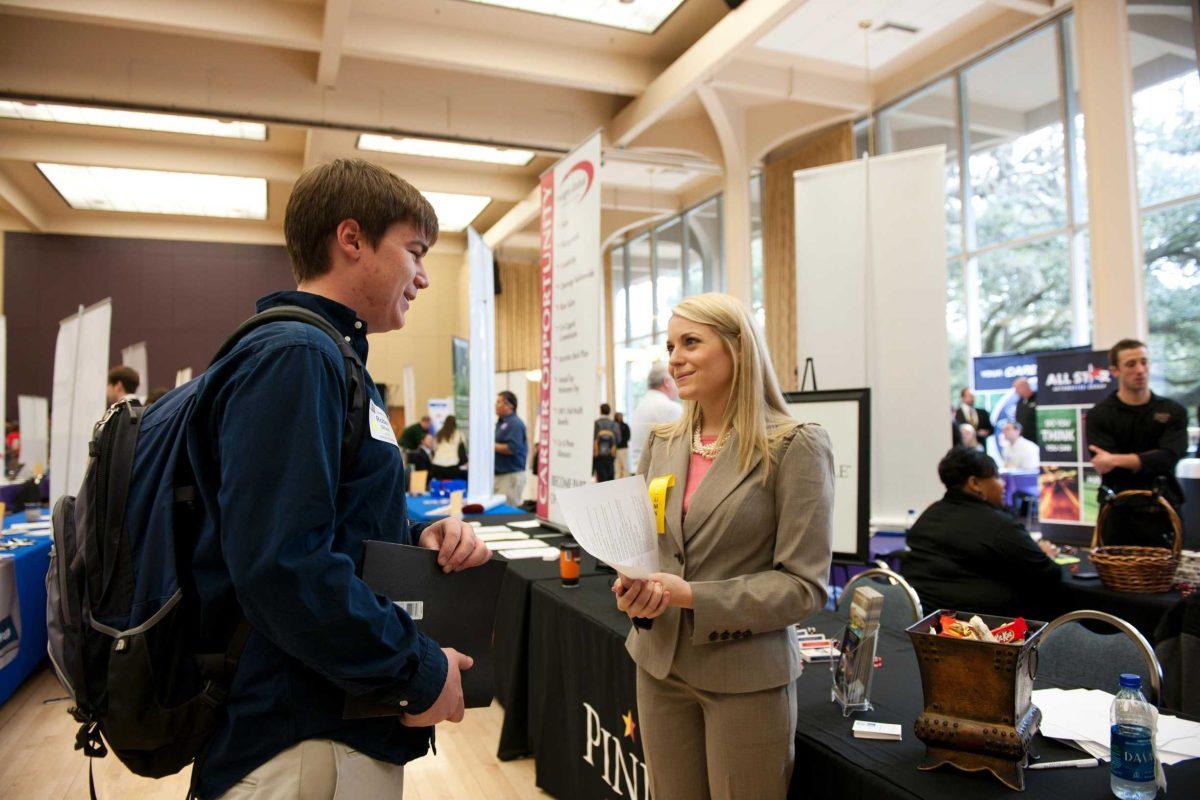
[38,762]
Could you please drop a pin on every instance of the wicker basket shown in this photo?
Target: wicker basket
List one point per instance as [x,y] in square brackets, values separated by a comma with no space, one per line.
[1145,570]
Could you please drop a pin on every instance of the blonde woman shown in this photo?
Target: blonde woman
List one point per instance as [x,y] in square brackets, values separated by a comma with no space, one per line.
[744,555]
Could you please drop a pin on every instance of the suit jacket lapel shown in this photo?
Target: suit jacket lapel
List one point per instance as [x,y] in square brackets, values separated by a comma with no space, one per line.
[722,478]
[678,452]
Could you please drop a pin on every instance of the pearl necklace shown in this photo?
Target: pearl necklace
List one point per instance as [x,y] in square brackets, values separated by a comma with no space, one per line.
[709,451]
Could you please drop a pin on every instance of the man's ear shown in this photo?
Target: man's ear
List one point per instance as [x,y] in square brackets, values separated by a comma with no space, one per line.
[348,239]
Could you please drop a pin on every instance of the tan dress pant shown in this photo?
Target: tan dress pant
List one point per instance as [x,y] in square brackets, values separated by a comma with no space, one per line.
[319,769]
[713,745]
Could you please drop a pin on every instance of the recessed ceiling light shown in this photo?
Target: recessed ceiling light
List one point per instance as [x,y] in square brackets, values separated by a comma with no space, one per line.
[438,148]
[146,191]
[139,120]
[643,16]
[456,211]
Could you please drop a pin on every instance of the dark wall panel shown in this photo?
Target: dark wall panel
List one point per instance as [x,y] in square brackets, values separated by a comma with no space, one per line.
[181,298]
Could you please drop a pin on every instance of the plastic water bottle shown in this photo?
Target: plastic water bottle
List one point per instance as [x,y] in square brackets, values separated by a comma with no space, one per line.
[1133,764]
[910,519]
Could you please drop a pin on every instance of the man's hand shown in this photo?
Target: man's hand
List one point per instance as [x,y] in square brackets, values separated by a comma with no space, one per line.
[449,704]
[1105,462]
[457,545]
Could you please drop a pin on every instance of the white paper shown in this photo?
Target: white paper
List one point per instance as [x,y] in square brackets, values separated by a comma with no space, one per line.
[615,523]
[525,524]
[546,554]
[511,536]
[493,529]
[1082,715]
[519,544]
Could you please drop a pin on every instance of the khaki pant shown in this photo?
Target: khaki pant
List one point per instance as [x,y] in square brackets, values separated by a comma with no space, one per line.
[510,484]
[623,462]
[319,769]
[702,745]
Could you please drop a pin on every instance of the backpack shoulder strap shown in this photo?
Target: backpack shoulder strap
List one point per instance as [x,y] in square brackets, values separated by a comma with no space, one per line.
[356,378]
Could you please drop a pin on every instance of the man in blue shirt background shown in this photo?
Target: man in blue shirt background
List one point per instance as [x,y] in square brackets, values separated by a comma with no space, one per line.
[287,514]
[511,449]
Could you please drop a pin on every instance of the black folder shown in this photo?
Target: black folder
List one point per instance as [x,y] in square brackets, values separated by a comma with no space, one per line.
[456,609]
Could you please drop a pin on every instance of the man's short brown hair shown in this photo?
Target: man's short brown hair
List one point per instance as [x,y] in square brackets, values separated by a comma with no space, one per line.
[348,188]
[126,376]
[1125,344]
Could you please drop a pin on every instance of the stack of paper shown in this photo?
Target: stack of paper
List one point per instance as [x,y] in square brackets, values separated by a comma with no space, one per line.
[1081,716]
[614,522]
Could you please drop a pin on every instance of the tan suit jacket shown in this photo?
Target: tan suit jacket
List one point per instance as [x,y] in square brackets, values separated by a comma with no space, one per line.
[757,555]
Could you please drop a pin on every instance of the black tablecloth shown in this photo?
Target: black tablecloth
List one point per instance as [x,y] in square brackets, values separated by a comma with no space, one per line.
[511,645]
[1142,611]
[583,685]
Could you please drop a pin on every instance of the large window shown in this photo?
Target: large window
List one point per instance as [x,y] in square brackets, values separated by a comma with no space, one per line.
[1015,235]
[1166,120]
[651,273]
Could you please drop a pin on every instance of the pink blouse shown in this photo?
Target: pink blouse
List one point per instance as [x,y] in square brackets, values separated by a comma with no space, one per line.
[698,467]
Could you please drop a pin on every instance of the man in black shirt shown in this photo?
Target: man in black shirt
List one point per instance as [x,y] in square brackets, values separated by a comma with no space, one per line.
[1026,409]
[1136,436]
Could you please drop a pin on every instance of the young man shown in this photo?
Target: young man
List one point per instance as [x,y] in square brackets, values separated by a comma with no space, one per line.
[511,449]
[123,381]
[606,438]
[289,511]
[1136,436]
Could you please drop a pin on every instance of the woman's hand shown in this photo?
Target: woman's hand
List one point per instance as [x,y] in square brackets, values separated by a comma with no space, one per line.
[640,598]
[679,590]
[1049,548]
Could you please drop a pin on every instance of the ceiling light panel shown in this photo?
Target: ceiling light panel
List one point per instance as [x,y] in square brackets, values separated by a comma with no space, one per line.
[438,148]
[456,211]
[137,120]
[642,16]
[145,191]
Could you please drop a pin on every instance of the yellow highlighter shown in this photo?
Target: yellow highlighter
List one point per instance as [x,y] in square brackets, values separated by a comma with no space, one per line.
[658,499]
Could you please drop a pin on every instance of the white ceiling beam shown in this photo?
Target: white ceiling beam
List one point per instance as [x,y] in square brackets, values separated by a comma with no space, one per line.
[787,83]
[270,22]
[736,32]
[468,51]
[94,151]
[1034,8]
[333,32]
[1173,34]
[515,219]
[24,207]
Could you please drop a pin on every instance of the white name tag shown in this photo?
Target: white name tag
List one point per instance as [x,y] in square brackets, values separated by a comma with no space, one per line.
[414,608]
[381,428]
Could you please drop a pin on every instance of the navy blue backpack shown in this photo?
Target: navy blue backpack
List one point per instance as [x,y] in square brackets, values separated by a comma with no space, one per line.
[122,610]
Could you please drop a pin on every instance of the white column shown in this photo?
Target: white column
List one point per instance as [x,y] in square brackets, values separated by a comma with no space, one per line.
[729,121]
[1105,89]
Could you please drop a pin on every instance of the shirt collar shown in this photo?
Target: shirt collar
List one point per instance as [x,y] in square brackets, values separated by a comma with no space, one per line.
[343,318]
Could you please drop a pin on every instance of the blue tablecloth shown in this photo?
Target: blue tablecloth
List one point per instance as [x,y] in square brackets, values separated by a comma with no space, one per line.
[420,506]
[31,563]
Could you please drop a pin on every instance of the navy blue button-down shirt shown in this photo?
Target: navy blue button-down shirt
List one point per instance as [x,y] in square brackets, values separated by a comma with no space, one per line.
[282,542]
[510,430]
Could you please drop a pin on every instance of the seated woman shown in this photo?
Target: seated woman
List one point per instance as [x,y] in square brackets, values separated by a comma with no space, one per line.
[450,453]
[967,554]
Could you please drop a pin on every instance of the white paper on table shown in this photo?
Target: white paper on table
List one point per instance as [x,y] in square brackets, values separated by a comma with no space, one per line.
[525,523]
[511,536]
[546,554]
[1082,715]
[518,544]
[493,529]
[614,522]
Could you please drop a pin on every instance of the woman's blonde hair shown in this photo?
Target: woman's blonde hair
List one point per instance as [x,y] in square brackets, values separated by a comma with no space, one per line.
[755,409]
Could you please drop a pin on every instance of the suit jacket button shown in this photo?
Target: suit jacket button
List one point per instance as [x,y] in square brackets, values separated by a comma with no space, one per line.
[724,635]
[712,637]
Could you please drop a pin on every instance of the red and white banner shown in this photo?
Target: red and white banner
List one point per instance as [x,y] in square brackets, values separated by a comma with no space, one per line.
[572,289]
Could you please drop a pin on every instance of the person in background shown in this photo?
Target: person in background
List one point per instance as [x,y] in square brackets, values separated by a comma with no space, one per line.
[622,445]
[1026,409]
[12,446]
[422,457]
[410,437]
[1019,452]
[977,418]
[123,381]
[744,556]
[511,449]
[659,405]
[606,436]
[967,437]
[966,553]
[449,458]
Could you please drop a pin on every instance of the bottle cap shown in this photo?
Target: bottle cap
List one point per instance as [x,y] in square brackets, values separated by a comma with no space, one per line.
[1131,681]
